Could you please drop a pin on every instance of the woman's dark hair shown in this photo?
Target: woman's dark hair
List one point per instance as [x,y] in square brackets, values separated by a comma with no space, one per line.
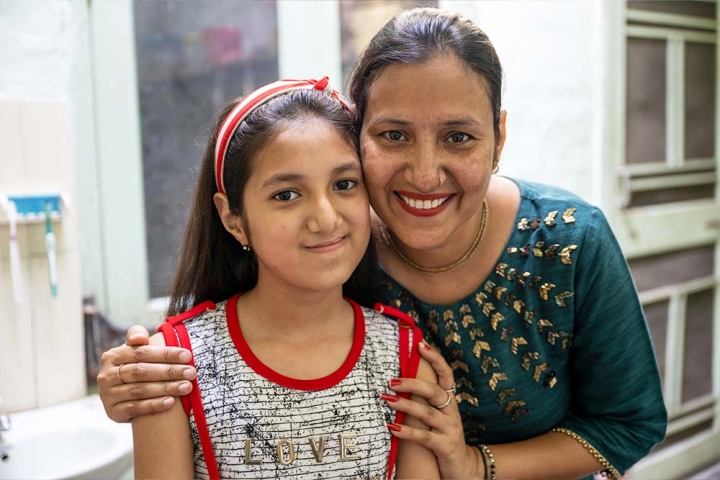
[212,264]
[420,35]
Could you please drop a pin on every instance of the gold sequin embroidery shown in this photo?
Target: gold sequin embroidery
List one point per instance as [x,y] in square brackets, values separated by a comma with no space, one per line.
[520,411]
[509,299]
[466,397]
[550,380]
[476,332]
[500,269]
[512,405]
[489,285]
[512,250]
[567,215]
[515,343]
[505,333]
[525,250]
[511,275]
[523,224]
[480,298]
[537,250]
[488,362]
[479,347]
[539,369]
[528,358]
[496,318]
[464,382]
[529,316]
[467,320]
[518,305]
[550,219]
[396,303]
[487,308]
[565,254]
[496,378]
[542,323]
[498,292]
[452,337]
[522,278]
[550,251]
[545,289]
[457,364]
[560,298]
[504,393]
[465,309]
[553,336]
[535,224]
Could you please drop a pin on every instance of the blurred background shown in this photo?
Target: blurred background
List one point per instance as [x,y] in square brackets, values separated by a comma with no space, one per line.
[105,107]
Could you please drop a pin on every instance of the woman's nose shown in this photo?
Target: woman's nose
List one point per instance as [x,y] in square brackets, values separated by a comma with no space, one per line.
[423,169]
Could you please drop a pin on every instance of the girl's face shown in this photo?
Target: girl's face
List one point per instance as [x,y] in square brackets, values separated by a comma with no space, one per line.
[306,208]
[426,122]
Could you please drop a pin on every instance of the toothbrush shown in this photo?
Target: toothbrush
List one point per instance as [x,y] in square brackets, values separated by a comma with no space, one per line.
[15,268]
[50,250]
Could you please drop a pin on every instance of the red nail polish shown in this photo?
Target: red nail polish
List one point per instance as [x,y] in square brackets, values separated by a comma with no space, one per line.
[393,427]
[425,346]
[395,382]
[388,398]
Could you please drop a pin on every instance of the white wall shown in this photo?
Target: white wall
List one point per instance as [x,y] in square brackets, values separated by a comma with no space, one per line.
[41,337]
[551,52]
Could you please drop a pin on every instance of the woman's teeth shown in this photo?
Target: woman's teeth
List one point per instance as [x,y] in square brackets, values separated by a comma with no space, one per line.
[424,204]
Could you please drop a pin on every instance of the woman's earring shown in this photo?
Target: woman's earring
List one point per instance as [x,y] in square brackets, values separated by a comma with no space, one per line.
[247,247]
[496,168]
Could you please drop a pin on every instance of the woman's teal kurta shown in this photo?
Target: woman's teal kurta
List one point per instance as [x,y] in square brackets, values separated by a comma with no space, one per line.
[554,338]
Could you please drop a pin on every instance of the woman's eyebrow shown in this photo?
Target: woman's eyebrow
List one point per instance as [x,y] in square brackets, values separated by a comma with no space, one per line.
[447,123]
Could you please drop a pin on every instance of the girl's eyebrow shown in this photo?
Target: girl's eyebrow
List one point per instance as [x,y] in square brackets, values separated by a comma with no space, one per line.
[294,177]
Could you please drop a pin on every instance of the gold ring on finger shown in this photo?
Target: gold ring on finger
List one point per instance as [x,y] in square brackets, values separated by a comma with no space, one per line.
[451,390]
[120,376]
[447,402]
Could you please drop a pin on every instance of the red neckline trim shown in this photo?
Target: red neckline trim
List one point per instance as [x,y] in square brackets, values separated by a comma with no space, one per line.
[263,370]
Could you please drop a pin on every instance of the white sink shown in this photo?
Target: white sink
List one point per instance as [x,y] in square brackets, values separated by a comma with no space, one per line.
[69,441]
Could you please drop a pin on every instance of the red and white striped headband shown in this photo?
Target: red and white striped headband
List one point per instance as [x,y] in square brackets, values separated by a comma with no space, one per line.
[254,100]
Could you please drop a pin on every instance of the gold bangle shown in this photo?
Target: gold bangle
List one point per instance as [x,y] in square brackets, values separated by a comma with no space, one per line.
[489,462]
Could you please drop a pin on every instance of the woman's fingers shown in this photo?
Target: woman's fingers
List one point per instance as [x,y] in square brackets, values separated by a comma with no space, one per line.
[137,335]
[432,392]
[126,411]
[446,379]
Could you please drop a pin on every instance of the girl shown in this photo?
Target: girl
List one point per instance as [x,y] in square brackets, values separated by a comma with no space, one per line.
[291,376]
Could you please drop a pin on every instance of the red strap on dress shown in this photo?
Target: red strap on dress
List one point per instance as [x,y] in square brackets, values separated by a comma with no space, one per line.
[409,362]
[171,340]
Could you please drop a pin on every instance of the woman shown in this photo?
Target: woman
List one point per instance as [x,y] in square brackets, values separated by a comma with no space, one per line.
[521,287]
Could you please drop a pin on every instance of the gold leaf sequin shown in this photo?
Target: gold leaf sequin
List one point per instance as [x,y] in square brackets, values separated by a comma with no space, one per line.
[467,320]
[542,323]
[466,397]
[487,308]
[498,292]
[496,378]
[539,369]
[414,315]
[522,278]
[509,299]
[464,382]
[476,333]
[535,224]
[533,283]
[432,326]
[517,341]
[518,305]
[488,362]
[480,298]
[544,289]
[560,298]
[520,411]
[433,315]
[479,347]
[550,251]
[565,254]
[523,224]
[453,337]
[528,358]
[451,326]
[504,393]
[488,286]
[457,364]
[529,316]
[550,379]
[512,250]
[512,405]
[448,315]
[537,250]
[464,309]
[550,219]
[404,297]
[496,318]
[457,353]
[511,275]
[500,269]
[396,303]
[567,342]
[567,215]
[505,332]
[553,336]
[525,250]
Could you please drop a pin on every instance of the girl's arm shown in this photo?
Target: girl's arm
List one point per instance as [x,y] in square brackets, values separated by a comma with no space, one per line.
[415,460]
[162,443]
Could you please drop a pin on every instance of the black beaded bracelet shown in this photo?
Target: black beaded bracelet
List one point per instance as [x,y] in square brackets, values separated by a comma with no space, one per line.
[489,462]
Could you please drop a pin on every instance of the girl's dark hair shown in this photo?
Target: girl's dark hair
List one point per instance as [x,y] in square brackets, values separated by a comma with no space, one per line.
[212,264]
[420,35]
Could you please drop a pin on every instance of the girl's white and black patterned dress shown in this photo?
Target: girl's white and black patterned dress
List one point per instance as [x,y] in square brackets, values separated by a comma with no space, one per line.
[257,423]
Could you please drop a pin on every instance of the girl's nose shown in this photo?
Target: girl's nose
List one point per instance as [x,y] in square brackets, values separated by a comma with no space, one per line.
[323,216]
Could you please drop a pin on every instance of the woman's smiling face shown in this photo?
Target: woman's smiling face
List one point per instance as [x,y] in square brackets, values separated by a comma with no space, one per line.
[424,123]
